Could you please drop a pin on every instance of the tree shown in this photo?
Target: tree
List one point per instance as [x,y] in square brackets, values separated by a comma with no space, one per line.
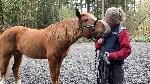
[41,13]
[1,16]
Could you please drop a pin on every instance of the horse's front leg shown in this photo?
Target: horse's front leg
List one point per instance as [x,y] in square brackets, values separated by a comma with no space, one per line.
[54,67]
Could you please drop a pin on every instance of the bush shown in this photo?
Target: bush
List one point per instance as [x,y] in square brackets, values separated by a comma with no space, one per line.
[140,38]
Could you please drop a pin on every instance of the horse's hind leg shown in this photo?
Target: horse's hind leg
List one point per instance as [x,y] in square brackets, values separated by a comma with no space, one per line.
[16,65]
[3,66]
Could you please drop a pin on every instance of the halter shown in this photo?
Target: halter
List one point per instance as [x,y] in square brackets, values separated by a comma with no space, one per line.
[88,27]
[93,26]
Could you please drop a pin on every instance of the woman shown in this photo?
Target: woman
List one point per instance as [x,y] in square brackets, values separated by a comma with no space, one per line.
[116,46]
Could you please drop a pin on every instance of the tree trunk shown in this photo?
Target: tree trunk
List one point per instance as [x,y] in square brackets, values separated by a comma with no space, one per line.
[81,6]
[134,6]
[103,8]
[124,4]
[14,13]
[1,16]
[88,5]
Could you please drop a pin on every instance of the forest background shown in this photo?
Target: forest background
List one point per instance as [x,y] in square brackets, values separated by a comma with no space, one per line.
[41,13]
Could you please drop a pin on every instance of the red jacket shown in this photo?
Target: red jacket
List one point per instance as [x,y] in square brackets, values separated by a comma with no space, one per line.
[125,47]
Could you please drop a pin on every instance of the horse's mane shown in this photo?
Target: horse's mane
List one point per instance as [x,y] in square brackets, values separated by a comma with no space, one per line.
[60,30]
[71,20]
[62,22]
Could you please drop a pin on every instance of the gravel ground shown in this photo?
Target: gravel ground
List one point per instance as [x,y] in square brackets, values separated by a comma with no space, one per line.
[78,66]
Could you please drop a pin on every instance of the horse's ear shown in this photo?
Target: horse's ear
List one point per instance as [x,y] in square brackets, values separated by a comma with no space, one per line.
[78,14]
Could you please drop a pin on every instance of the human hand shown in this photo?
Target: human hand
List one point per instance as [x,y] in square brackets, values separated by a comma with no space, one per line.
[100,41]
[106,54]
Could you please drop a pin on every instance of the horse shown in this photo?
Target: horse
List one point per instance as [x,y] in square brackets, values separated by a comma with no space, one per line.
[50,43]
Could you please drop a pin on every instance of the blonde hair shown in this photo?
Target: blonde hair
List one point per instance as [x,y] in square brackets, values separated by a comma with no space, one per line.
[115,14]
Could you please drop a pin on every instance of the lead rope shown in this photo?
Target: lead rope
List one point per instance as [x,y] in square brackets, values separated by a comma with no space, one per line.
[93,29]
[96,67]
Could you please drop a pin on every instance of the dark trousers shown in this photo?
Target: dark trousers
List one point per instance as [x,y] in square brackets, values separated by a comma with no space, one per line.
[114,74]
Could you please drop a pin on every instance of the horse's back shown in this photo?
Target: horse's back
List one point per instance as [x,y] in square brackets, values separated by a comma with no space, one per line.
[14,30]
[10,34]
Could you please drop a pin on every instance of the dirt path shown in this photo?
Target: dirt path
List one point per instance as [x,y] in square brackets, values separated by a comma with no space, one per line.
[78,66]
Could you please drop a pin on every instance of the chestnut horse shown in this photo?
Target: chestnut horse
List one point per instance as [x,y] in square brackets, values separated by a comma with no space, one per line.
[51,43]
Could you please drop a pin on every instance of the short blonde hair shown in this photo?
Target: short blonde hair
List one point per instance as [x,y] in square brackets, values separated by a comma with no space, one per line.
[116,14]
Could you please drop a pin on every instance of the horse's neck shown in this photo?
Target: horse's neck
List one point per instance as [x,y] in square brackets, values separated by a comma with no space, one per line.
[66,31]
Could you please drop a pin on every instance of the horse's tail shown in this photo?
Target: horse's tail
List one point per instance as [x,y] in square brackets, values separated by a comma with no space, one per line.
[9,67]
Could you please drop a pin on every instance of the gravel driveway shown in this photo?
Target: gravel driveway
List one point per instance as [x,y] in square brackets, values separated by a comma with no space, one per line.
[78,66]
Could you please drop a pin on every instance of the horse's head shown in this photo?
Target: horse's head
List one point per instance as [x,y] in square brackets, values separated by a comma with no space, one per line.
[91,27]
